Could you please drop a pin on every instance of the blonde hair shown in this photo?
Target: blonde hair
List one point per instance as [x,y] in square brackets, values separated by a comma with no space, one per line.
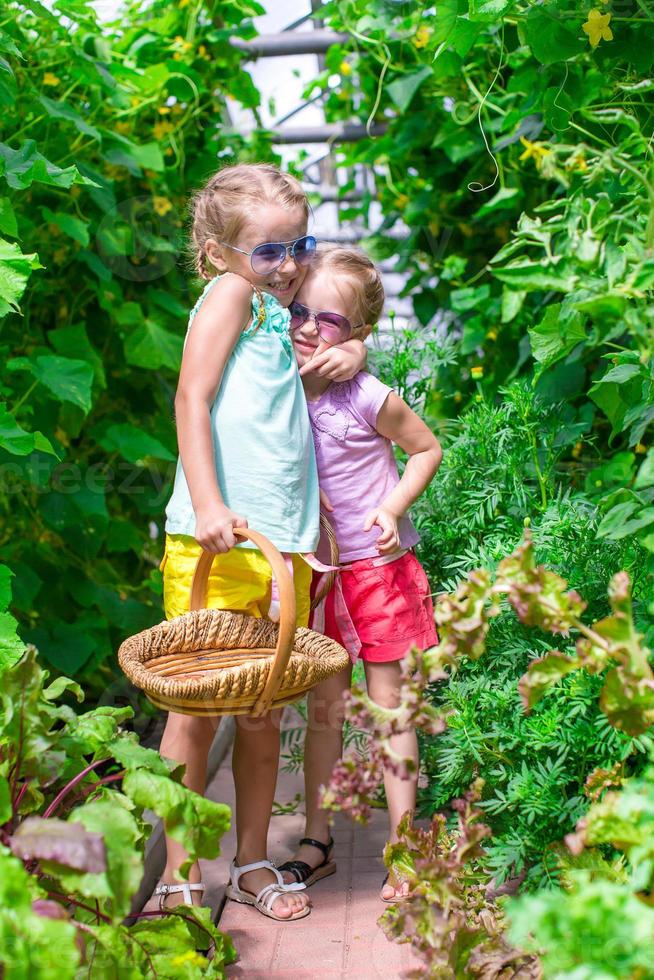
[363,276]
[221,208]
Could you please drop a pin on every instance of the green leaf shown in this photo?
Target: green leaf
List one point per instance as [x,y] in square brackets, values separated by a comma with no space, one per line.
[615,517]
[512,303]
[151,346]
[489,10]
[619,470]
[11,646]
[8,224]
[463,36]
[135,157]
[616,400]
[13,439]
[608,305]
[543,674]
[506,199]
[134,445]
[21,168]
[620,373]
[33,945]
[74,342]
[127,750]
[529,276]
[5,801]
[67,378]
[447,12]
[469,298]
[61,110]
[645,475]
[192,820]
[67,647]
[405,87]
[556,335]
[72,226]
[6,575]
[15,270]
[110,818]
[549,38]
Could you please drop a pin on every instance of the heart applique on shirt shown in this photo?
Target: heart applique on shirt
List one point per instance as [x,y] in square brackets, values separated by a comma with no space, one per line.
[334,421]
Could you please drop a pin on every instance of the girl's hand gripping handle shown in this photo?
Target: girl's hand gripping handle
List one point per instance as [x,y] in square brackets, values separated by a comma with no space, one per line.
[214,528]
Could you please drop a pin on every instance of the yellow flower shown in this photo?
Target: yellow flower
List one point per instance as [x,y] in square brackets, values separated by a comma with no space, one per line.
[122,127]
[162,205]
[492,334]
[163,110]
[401,201]
[421,40]
[597,27]
[640,449]
[577,161]
[183,3]
[50,79]
[202,51]
[536,150]
[161,129]
[576,452]
[457,396]
[477,372]
[345,68]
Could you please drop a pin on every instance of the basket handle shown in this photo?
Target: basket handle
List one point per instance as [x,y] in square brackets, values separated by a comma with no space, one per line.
[334,559]
[287,609]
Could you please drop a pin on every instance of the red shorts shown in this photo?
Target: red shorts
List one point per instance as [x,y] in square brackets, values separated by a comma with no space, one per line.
[389,605]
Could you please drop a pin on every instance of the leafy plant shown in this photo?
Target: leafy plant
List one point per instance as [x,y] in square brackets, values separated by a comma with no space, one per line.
[449,921]
[439,920]
[510,149]
[73,791]
[602,923]
[107,128]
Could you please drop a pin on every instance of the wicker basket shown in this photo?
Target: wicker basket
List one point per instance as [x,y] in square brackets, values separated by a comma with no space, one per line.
[215,662]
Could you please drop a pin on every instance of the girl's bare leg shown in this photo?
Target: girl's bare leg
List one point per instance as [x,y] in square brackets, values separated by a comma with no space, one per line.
[186,739]
[255,762]
[384,681]
[323,748]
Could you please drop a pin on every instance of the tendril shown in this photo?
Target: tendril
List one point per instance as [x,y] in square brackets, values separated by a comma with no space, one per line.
[475,186]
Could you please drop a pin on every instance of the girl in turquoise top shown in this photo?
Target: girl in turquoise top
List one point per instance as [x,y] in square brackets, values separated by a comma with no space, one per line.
[245,457]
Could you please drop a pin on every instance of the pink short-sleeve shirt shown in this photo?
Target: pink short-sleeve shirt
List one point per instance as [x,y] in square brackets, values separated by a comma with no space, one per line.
[356,465]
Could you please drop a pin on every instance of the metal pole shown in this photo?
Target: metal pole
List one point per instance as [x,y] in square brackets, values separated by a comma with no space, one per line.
[301,42]
[328,133]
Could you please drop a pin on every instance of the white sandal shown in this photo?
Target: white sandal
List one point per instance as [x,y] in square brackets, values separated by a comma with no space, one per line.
[268,895]
[162,891]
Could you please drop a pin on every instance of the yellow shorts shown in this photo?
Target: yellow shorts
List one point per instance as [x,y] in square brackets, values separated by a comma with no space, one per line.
[240,580]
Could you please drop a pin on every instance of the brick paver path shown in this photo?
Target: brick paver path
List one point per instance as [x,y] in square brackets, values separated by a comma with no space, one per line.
[340,940]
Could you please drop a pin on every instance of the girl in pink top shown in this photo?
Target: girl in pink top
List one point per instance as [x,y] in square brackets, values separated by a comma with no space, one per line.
[380,605]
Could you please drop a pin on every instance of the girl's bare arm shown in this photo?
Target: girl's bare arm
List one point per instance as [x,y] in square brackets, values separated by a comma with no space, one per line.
[215,331]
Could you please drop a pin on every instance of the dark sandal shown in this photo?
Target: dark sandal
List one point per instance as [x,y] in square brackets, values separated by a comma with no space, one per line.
[303,873]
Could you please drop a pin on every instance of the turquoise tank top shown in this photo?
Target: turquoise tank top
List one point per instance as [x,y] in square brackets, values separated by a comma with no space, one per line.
[263,447]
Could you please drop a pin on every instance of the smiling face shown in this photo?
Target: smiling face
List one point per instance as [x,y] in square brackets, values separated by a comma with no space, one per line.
[270,223]
[327,292]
